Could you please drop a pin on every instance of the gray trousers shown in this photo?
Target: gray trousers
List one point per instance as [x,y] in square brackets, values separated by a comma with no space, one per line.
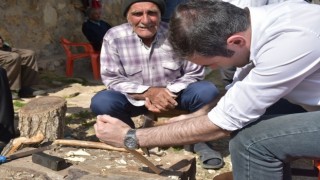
[21,67]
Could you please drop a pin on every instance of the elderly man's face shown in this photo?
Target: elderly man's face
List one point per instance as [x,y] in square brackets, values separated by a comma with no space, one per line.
[145,18]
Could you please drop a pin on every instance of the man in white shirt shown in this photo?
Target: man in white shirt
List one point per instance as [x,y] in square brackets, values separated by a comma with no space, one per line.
[276,49]
[228,72]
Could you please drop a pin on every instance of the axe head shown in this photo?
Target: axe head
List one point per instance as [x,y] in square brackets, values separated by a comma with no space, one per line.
[52,162]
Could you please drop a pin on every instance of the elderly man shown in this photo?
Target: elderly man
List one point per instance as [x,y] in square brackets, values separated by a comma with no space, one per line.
[94,28]
[278,56]
[143,74]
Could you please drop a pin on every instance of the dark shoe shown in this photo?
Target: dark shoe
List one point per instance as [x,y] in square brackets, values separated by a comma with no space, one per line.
[15,95]
[209,158]
[27,92]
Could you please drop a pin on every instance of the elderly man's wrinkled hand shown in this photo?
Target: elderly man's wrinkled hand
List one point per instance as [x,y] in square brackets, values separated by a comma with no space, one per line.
[110,130]
[151,107]
[161,99]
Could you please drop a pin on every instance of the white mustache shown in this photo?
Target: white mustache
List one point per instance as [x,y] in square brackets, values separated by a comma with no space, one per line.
[145,26]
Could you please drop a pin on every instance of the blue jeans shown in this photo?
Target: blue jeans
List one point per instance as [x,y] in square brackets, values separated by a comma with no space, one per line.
[116,104]
[263,149]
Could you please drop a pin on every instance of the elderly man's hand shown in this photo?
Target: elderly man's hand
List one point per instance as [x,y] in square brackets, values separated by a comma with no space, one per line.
[160,99]
[111,130]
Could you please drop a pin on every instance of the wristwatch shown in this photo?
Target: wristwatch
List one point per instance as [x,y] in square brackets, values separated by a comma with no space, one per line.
[130,140]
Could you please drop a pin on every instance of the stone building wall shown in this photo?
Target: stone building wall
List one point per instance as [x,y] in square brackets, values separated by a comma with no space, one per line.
[39,24]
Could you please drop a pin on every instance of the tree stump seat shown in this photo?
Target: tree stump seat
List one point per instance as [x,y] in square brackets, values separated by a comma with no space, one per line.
[44,115]
[40,120]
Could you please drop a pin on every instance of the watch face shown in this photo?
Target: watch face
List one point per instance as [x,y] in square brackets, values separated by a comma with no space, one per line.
[130,143]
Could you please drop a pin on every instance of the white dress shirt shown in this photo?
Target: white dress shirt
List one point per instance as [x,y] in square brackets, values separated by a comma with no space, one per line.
[252,3]
[285,63]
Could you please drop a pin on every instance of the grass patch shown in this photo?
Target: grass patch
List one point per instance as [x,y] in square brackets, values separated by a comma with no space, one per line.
[50,77]
[79,117]
[18,104]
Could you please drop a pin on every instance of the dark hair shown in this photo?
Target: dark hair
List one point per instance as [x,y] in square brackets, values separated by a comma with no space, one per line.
[203,27]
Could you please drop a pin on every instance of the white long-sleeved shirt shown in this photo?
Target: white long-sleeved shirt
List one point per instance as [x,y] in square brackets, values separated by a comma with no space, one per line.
[252,3]
[285,63]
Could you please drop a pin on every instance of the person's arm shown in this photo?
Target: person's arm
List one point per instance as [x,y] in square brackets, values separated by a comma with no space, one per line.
[199,129]
[202,111]
[112,131]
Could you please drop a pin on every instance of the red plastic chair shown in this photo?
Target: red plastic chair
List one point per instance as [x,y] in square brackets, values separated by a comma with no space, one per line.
[317,165]
[308,172]
[88,52]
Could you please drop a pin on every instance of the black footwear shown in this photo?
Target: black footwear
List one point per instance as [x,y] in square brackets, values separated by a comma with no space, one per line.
[208,157]
[26,92]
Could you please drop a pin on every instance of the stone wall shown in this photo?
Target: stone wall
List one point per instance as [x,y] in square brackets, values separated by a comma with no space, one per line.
[39,24]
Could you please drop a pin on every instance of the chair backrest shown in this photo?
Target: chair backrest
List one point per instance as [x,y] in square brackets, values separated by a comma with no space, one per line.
[65,44]
[68,45]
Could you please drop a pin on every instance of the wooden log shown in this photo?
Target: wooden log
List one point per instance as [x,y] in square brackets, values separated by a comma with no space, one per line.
[17,143]
[45,115]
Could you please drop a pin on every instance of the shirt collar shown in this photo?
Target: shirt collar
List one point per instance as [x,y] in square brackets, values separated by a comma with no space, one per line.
[257,17]
[95,22]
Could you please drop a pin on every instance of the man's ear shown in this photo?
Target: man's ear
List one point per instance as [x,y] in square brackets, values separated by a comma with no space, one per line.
[236,40]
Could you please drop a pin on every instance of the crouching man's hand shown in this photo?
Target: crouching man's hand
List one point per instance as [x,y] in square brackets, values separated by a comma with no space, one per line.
[110,130]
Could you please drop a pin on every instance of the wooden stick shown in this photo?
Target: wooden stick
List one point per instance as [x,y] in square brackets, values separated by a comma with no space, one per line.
[89,144]
[145,161]
[101,145]
[16,143]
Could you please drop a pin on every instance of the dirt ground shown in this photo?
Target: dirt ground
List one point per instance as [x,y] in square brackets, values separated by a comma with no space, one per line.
[97,163]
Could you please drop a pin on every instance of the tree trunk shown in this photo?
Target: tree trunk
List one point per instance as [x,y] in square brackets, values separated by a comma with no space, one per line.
[44,115]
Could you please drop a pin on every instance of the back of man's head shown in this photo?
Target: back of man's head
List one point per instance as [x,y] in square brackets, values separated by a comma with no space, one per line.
[204,26]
